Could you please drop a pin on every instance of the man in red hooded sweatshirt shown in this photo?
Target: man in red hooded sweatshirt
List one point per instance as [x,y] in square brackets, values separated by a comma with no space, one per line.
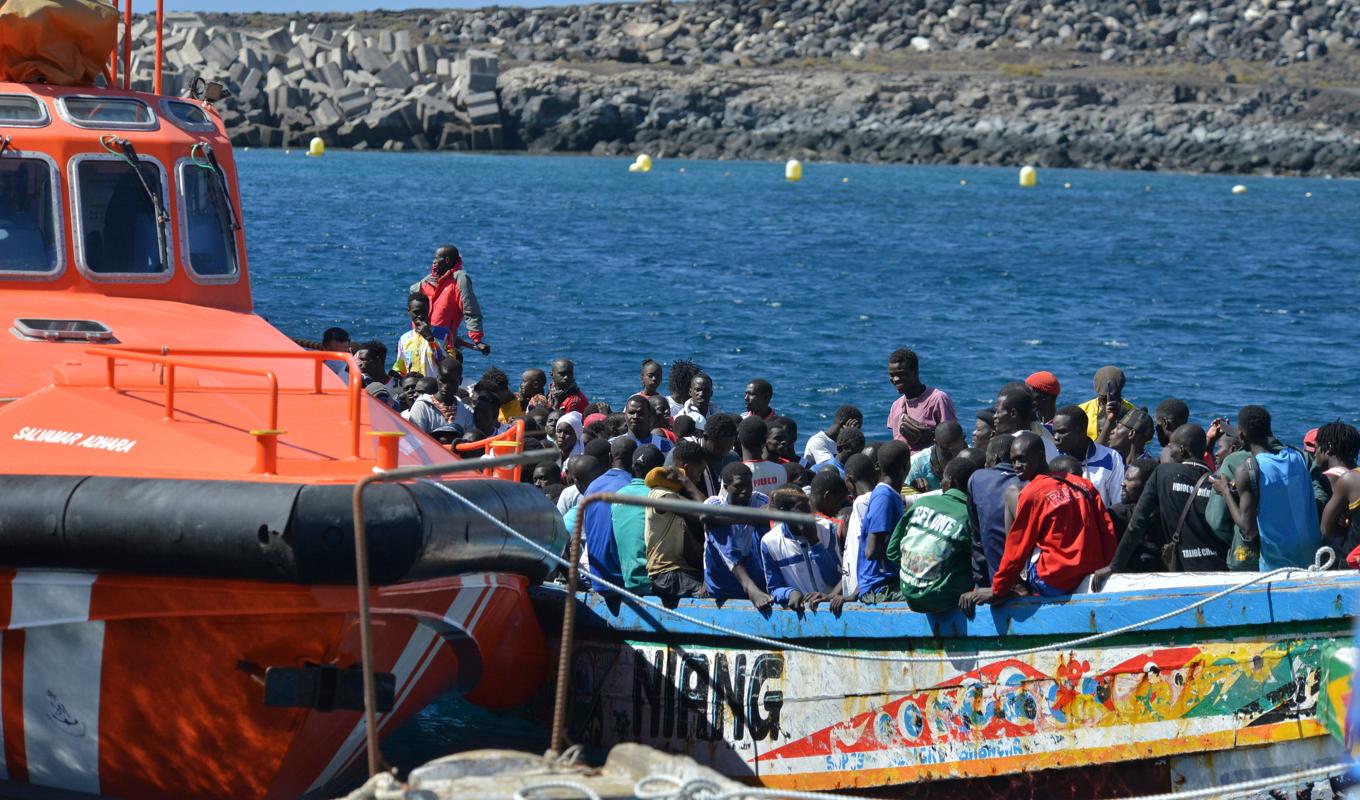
[452,300]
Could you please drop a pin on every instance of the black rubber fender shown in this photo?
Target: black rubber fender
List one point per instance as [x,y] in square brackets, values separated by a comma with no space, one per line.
[300,533]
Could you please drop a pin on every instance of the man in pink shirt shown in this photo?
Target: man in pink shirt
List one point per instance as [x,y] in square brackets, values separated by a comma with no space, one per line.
[914,415]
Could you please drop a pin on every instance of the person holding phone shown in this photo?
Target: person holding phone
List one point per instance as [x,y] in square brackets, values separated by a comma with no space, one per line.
[1105,410]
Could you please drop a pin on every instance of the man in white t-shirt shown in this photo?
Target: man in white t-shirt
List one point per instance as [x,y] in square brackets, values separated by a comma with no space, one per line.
[821,447]
[766,476]
[860,477]
[1100,465]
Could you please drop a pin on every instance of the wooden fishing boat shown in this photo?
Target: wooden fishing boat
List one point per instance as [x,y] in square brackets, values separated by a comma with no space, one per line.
[178,612]
[1227,692]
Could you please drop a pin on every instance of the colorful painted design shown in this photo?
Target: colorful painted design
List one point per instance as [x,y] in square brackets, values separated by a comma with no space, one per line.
[797,721]
[1336,712]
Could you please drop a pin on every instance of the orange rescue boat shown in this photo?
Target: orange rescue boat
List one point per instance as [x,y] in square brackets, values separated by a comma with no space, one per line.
[178,615]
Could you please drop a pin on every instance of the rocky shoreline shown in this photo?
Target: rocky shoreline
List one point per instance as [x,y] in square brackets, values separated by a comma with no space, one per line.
[1230,86]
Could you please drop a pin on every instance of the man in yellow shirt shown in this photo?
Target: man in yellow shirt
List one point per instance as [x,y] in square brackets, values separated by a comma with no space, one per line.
[1108,406]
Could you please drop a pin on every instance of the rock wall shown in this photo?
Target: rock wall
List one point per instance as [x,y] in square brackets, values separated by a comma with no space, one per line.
[1223,85]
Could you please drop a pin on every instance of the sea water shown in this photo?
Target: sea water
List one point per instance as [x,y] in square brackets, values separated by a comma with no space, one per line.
[1195,292]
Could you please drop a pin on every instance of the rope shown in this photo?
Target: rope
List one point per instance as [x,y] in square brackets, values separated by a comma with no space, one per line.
[1234,789]
[1318,567]
[529,792]
[704,789]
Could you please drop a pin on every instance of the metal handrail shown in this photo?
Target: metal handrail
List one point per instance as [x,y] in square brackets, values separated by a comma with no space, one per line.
[111,357]
[688,507]
[361,565]
[514,437]
[162,355]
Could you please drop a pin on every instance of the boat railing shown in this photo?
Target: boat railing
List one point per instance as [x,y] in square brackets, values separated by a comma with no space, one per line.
[112,72]
[688,507]
[267,437]
[485,465]
[506,443]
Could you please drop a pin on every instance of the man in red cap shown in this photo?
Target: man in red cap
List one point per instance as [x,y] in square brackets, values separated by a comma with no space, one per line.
[1046,389]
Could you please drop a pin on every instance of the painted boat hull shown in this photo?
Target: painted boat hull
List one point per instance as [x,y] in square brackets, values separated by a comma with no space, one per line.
[152,687]
[1244,671]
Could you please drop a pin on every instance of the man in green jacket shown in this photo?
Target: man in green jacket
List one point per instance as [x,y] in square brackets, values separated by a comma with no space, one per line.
[933,543]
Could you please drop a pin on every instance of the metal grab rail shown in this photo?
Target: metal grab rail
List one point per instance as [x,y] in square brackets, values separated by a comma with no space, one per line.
[361,565]
[165,355]
[110,359]
[689,507]
[499,445]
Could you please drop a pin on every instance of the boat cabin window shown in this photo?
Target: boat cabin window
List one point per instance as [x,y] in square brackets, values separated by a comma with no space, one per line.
[29,235]
[187,116]
[22,110]
[116,218]
[107,112]
[206,223]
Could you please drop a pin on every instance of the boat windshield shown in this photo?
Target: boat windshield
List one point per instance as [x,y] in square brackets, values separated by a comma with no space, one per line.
[28,225]
[117,218]
[207,222]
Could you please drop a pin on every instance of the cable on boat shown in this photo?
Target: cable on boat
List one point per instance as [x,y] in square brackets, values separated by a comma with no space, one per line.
[222,191]
[1325,558]
[123,149]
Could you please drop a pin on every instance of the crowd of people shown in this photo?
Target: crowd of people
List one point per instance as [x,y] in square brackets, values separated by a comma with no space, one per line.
[1037,497]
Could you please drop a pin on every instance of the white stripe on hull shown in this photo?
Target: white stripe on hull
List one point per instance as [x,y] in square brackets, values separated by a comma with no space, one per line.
[415,658]
[63,661]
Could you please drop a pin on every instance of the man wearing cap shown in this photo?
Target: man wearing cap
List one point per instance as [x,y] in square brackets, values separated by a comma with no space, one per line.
[1108,406]
[1046,389]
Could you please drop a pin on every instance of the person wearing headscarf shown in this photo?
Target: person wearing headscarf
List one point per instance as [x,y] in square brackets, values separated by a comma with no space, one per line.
[567,437]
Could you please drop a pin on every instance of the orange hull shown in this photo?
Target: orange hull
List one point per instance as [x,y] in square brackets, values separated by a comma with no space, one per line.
[141,685]
[136,688]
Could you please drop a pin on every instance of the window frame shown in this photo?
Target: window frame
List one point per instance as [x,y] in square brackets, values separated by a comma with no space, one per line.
[153,125]
[181,209]
[78,224]
[203,127]
[42,123]
[59,229]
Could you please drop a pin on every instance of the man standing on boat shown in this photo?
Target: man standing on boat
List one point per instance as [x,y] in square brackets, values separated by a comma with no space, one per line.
[914,415]
[452,300]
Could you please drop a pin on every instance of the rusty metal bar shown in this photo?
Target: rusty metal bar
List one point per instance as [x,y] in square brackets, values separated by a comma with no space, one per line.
[361,565]
[689,507]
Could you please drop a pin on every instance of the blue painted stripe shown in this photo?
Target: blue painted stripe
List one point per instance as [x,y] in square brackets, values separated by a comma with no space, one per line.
[1327,599]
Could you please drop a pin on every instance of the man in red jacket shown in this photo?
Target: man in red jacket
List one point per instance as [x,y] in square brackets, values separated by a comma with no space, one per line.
[1061,531]
[452,300]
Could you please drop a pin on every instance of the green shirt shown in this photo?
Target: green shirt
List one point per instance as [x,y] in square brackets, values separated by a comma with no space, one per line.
[933,545]
[630,537]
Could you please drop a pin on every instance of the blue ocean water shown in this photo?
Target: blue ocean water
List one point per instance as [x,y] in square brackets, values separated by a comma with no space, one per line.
[1219,299]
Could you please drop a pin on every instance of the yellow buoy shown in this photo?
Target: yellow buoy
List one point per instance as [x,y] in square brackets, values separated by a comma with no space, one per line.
[845,180]
[793,171]
[634,167]
[1239,189]
[317,147]
[644,162]
[1028,177]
